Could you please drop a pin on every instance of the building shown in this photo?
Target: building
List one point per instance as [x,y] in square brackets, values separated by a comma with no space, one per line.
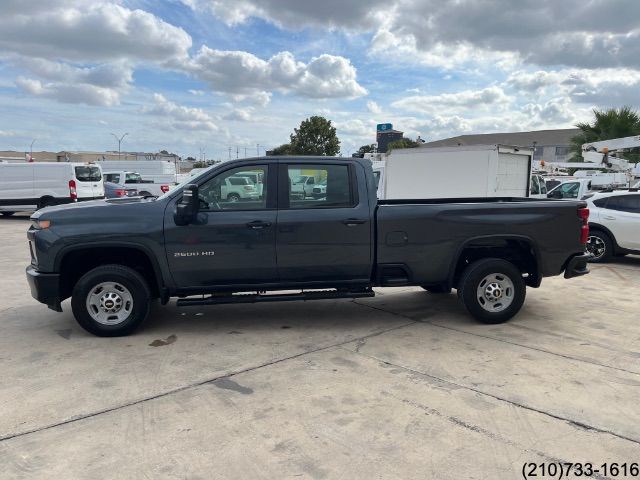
[82,156]
[548,145]
[385,137]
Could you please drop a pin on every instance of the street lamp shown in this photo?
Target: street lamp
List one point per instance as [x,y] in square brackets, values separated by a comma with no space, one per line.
[31,150]
[119,141]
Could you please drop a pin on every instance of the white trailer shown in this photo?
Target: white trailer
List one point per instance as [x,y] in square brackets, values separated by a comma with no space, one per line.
[455,172]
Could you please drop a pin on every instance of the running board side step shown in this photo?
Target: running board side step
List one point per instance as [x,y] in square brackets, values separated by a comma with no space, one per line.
[274,297]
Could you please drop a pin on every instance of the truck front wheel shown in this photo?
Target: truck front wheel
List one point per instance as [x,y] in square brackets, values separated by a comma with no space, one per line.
[492,290]
[111,300]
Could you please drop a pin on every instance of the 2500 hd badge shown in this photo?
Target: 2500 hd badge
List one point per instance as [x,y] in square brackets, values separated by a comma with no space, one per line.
[194,254]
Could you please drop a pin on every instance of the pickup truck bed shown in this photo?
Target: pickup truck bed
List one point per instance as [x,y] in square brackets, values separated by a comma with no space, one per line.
[112,257]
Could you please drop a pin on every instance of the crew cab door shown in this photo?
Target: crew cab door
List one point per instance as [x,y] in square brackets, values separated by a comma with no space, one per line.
[324,238]
[232,242]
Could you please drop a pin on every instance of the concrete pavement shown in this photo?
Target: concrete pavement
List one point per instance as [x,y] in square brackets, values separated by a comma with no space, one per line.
[403,385]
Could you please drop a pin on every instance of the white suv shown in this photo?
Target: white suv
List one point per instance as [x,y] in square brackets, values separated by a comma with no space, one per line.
[614,224]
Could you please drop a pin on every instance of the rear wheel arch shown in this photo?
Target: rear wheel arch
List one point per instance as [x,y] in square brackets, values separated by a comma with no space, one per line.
[519,250]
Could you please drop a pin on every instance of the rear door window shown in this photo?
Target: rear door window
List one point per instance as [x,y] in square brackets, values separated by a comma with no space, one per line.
[624,203]
[88,173]
[332,186]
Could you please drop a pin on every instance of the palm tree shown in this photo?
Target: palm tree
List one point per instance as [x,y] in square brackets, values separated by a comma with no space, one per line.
[610,123]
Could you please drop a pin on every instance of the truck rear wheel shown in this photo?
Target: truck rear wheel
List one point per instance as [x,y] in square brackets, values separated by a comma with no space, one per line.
[492,290]
[111,300]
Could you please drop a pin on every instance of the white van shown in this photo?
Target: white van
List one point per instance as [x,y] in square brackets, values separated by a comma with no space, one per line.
[25,187]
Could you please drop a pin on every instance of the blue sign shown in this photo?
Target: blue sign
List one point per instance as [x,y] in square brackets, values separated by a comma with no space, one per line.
[383,127]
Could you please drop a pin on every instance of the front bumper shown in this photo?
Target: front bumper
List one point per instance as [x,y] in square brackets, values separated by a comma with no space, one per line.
[45,288]
[577,266]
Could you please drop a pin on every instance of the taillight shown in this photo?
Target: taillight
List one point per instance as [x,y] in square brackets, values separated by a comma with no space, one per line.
[164,188]
[249,188]
[120,193]
[73,194]
[583,214]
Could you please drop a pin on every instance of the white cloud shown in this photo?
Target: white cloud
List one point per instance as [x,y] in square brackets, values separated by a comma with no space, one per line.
[373,107]
[571,33]
[242,73]
[178,117]
[70,93]
[197,93]
[295,14]
[85,30]
[491,97]
[240,115]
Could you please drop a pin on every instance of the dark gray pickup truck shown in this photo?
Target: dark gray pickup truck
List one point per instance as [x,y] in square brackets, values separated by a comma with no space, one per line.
[241,232]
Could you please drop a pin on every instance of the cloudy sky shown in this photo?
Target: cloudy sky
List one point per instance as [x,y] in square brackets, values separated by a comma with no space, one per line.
[186,75]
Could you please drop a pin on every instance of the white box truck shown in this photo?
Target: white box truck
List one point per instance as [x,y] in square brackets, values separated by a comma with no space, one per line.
[455,172]
[25,187]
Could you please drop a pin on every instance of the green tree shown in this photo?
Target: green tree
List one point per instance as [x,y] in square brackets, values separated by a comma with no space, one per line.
[367,149]
[402,143]
[284,149]
[200,164]
[316,136]
[608,124]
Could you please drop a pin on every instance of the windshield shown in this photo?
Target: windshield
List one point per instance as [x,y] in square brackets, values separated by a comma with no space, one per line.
[88,174]
[300,179]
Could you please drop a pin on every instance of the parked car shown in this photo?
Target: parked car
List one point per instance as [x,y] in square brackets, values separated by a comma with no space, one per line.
[575,189]
[194,243]
[320,190]
[303,185]
[117,190]
[25,187]
[145,187]
[236,188]
[614,224]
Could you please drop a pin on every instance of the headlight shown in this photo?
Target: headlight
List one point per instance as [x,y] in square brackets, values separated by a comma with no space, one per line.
[40,224]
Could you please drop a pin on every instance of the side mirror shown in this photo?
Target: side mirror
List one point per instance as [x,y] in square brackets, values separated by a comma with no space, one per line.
[187,208]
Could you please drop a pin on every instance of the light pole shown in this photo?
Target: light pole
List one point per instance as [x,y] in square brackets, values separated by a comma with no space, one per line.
[31,150]
[119,141]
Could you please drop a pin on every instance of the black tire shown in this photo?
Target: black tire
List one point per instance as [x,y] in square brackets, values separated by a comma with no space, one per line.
[7,214]
[596,241]
[233,197]
[437,289]
[128,278]
[472,278]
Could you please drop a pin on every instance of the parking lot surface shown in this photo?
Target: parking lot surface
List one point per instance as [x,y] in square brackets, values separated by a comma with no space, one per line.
[403,385]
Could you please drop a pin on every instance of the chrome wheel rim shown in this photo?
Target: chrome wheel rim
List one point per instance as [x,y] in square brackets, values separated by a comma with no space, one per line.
[596,246]
[495,292]
[109,303]
[233,198]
